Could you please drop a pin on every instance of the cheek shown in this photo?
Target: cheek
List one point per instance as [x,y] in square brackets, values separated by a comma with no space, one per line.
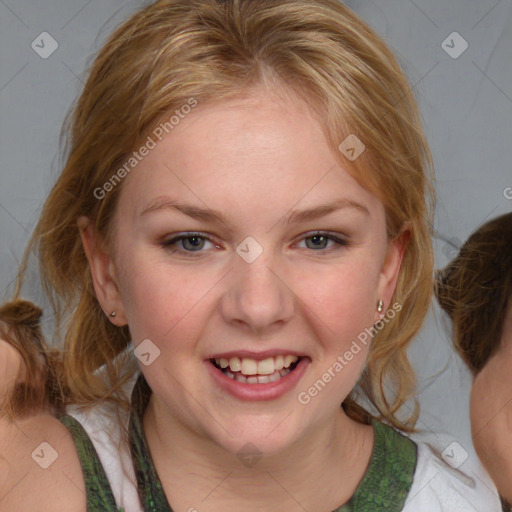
[158,300]
[491,418]
[343,297]
[161,300]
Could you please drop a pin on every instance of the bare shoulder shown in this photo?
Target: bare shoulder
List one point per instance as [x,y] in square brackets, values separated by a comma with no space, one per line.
[39,467]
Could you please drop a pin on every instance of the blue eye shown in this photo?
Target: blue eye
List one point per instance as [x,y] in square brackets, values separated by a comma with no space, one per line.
[320,239]
[190,243]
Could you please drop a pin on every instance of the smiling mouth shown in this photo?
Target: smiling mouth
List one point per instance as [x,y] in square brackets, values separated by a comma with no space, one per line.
[250,371]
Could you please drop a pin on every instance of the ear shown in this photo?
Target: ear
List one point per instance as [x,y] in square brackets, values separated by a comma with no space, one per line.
[391,269]
[103,272]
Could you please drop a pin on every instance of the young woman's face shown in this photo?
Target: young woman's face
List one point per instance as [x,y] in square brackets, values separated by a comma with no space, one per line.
[247,184]
[491,412]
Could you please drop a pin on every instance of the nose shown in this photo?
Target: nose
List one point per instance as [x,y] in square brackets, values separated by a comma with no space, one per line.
[258,298]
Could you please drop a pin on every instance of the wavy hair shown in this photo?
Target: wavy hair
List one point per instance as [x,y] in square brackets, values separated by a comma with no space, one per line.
[210,50]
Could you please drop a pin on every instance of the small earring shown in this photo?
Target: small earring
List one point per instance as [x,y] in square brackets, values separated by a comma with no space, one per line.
[380,306]
[113,314]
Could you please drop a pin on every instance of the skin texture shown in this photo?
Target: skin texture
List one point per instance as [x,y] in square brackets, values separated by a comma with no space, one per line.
[24,484]
[491,412]
[254,160]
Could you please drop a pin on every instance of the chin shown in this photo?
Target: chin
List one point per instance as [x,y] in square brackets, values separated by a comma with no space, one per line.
[255,437]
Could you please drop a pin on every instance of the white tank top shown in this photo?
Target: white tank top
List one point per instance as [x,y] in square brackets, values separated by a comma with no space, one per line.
[436,487]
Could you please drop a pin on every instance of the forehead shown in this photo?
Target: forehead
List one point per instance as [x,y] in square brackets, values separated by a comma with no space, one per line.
[262,150]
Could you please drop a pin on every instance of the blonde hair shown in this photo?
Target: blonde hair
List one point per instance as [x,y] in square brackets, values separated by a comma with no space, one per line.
[172,51]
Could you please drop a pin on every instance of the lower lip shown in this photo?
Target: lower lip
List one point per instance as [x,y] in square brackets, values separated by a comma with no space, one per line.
[258,392]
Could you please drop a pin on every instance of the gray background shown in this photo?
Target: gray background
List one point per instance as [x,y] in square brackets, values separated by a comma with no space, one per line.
[466,104]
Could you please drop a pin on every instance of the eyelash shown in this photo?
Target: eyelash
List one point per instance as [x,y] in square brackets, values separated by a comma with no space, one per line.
[173,241]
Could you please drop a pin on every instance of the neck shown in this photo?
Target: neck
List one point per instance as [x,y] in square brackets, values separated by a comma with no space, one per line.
[197,473]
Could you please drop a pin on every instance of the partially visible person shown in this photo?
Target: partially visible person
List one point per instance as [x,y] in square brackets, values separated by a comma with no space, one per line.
[29,404]
[475,290]
[23,360]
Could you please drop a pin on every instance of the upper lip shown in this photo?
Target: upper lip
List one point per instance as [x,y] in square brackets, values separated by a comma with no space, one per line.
[258,356]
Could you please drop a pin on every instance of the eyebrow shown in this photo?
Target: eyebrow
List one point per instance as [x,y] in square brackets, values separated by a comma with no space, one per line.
[294,216]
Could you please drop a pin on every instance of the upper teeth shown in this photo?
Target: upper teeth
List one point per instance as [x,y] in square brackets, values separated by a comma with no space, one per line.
[252,367]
